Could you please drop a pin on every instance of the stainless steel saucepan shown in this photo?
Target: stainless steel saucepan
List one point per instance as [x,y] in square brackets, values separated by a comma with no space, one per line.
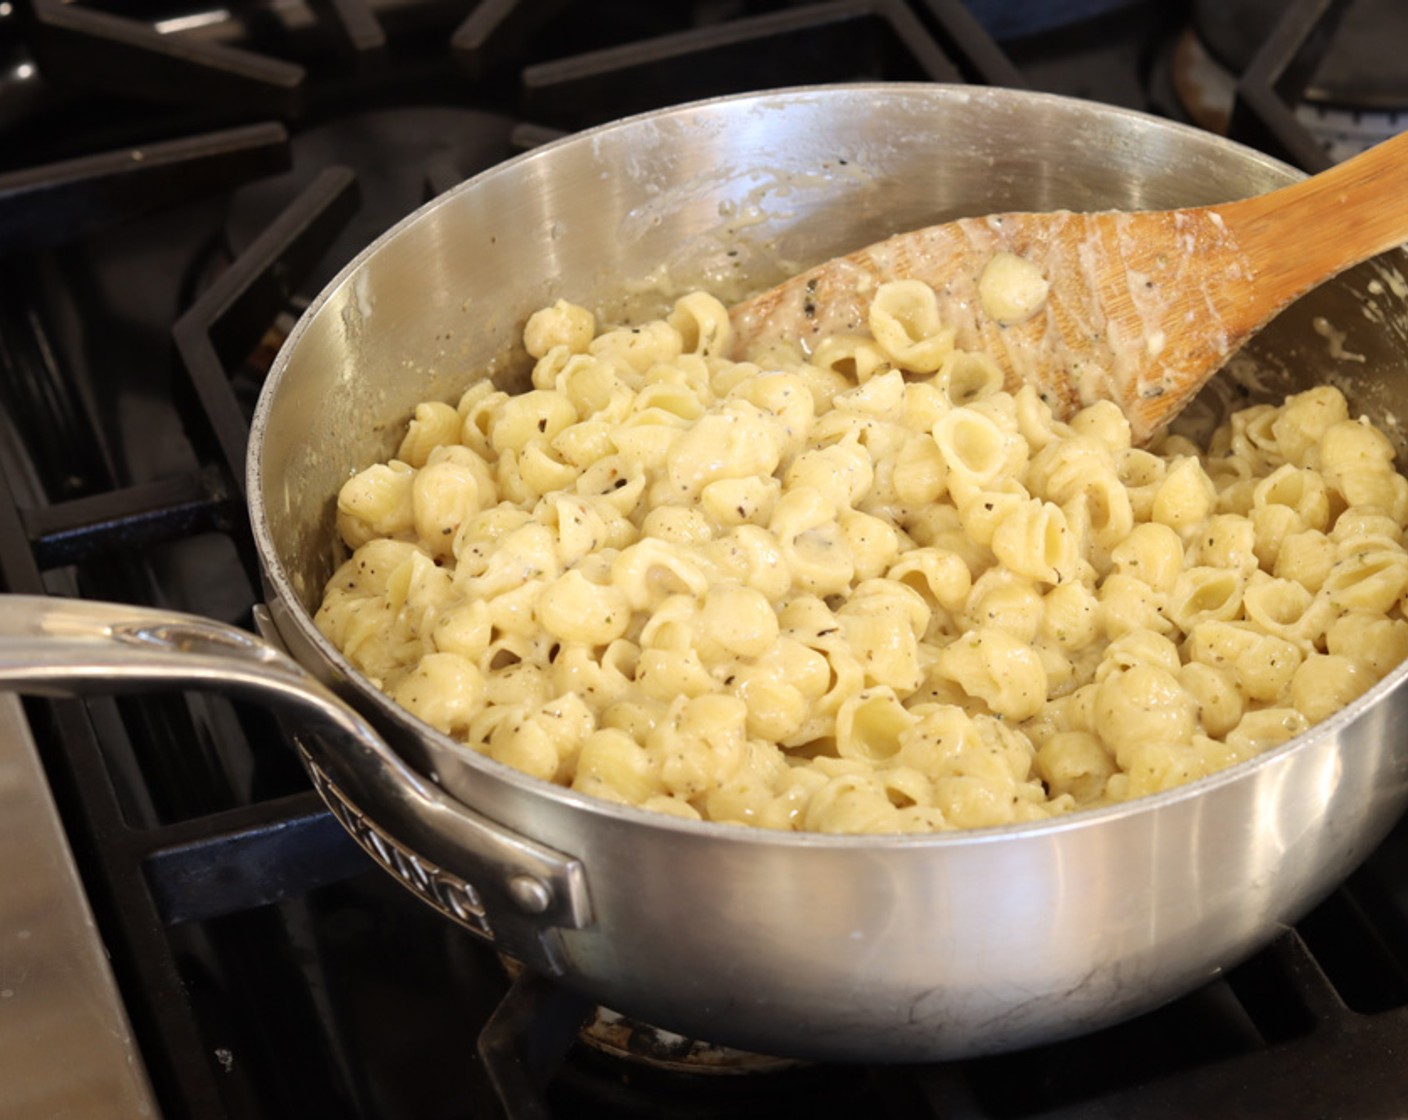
[873,947]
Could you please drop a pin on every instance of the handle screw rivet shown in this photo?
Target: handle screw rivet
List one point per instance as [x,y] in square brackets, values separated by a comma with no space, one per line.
[532,895]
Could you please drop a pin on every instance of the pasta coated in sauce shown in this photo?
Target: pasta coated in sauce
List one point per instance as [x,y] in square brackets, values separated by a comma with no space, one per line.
[865,589]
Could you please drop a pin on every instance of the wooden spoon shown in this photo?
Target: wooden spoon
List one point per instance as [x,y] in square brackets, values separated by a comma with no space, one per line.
[1141,308]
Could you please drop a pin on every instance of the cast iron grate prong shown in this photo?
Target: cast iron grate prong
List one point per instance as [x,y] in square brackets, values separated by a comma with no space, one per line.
[97,50]
[61,202]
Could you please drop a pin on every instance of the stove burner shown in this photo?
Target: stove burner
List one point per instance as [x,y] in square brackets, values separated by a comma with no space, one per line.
[533,1003]
[631,1040]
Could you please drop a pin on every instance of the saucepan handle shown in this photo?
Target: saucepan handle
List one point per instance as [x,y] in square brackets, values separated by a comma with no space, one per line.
[502,885]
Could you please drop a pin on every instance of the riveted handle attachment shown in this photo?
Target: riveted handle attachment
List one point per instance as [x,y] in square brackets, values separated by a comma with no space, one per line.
[504,886]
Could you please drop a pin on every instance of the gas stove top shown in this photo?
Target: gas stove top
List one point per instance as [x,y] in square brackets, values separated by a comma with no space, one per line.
[176,184]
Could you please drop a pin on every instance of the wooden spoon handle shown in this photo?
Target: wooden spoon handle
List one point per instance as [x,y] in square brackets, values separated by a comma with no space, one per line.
[1299,236]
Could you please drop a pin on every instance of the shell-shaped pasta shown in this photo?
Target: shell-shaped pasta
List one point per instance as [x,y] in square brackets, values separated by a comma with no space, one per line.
[883,397]
[940,575]
[613,478]
[748,795]
[1359,526]
[1374,486]
[869,725]
[873,543]
[702,323]
[463,628]
[904,319]
[922,406]
[841,473]
[1265,728]
[521,554]
[368,571]
[1002,671]
[1142,474]
[563,324]
[1371,580]
[480,413]
[967,377]
[1035,421]
[736,620]
[1127,603]
[736,442]
[982,511]
[636,349]
[679,524]
[1250,437]
[739,501]
[1262,664]
[670,399]
[811,542]
[612,765]
[1227,541]
[1139,647]
[1299,489]
[1100,517]
[1144,704]
[443,495]
[1204,593]
[1353,443]
[753,556]
[1035,540]
[1286,609]
[855,357]
[777,710]
[786,400]
[852,802]
[1186,496]
[649,570]
[434,424]
[574,609]
[1305,558]
[1301,422]
[542,740]
[1071,617]
[666,674]
[920,473]
[1326,682]
[1077,763]
[444,689]
[1380,643]
[514,612]
[881,631]
[590,384]
[646,441]
[536,414]
[1064,468]
[376,502]
[1220,702]
[703,746]
[582,444]
[1007,601]
[606,677]
[940,525]
[974,448]
[1105,423]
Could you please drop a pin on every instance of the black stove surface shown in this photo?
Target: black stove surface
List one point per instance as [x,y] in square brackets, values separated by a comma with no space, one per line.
[176,183]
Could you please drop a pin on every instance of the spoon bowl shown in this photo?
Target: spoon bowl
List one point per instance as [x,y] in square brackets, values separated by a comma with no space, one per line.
[1141,308]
